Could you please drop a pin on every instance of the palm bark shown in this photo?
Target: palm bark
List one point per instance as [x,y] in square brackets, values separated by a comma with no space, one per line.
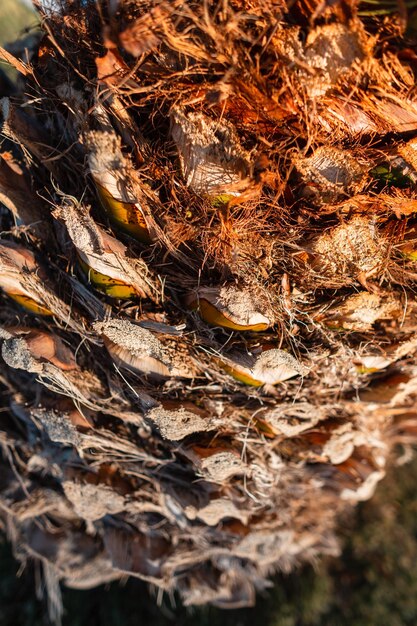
[208,266]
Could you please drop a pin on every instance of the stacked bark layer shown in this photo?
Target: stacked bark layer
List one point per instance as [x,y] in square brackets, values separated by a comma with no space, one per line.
[208,275]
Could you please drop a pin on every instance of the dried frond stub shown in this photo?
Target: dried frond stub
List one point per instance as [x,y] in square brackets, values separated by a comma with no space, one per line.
[134,347]
[331,174]
[216,464]
[332,50]
[341,444]
[105,258]
[289,420]
[217,510]
[106,284]
[408,151]
[177,424]
[271,367]
[231,307]
[373,362]
[43,346]
[92,502]
[369,364]
[365,490]
[20,274]
[353,251]
[17,195]
[329,53]
[212,161]
[62,423]
[370,116]
[25,280]
[55,374]
[110,171]
[57,426]
[360,311]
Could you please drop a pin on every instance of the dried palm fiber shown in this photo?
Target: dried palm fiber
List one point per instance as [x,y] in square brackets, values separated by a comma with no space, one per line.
[208,274]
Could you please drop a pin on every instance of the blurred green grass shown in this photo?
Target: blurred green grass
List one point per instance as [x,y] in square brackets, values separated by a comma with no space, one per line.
[15,18]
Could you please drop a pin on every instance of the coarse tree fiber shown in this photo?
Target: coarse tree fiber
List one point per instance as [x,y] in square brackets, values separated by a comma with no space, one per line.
[208,264]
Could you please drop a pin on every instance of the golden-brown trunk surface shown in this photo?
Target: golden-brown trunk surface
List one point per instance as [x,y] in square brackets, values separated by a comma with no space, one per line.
[207,264]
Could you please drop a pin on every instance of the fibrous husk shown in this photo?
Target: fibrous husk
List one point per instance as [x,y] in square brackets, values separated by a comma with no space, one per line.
[138,554]
[148,31]
[331,174]
[79,559]
[25,130]
[354,251]
[329,52]
[360,311]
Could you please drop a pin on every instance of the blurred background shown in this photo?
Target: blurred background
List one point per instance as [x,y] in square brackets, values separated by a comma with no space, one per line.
[374,583]
[16,17]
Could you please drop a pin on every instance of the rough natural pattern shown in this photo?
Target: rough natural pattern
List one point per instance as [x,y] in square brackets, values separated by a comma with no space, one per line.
[207,270]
